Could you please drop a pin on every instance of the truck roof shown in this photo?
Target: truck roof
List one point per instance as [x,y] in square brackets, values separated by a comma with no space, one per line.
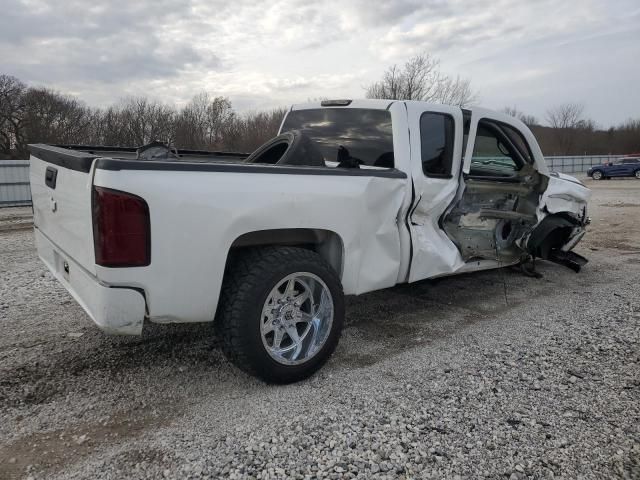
[381,104]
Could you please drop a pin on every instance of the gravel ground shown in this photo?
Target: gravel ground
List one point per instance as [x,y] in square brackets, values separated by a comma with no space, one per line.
[489,375]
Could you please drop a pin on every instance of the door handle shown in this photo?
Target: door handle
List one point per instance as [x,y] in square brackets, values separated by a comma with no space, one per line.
[51,177]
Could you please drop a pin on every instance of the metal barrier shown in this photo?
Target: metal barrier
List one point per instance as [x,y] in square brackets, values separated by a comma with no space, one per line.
[14,183]
[578,164]
[567,164]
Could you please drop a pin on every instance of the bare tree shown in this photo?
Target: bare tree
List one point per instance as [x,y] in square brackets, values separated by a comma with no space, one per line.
[627,136]
[528,120]
[201,123]
[454,91]
[51,117]
[420,78]
[246,133]
[566,120]
[109,128]
[261,126]
[567,115]
[145,121]
[12,108]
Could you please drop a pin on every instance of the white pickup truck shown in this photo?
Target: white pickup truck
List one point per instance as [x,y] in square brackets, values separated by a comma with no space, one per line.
[352,196]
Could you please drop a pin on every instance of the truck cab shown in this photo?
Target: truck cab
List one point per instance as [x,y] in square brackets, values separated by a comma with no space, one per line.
[478,182]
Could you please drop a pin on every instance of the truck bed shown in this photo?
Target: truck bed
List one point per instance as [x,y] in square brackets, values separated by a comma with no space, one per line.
[200,207]
[81,158]
[129,153]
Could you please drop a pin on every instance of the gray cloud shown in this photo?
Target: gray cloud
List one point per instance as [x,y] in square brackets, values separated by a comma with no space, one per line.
[390,12]
[124,41]
[263,54]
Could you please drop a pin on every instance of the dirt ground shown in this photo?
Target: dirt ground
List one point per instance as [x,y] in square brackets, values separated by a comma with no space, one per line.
[75,403]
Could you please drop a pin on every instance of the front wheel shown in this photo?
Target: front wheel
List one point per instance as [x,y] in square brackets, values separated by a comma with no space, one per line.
[597,175]
[637,174]
[281,313]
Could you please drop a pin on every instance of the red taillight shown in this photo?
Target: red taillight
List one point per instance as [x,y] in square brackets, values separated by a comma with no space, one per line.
[121,232]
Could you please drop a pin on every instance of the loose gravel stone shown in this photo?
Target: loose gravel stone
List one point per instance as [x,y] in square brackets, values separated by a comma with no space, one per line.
[441,379]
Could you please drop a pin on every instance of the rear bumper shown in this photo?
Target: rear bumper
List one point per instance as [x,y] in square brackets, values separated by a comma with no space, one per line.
[116,310]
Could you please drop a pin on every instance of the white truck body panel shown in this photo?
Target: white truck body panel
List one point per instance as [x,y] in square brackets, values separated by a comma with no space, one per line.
[65,213]
[114,310]
[434,253]
[563,194]
[189,254]
[388,225]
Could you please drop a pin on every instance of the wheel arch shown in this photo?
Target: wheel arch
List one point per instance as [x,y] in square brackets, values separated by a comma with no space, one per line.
[328,244]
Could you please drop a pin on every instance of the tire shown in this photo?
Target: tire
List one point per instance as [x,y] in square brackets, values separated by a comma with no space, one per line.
[637,174]
[597,175]
[248,292]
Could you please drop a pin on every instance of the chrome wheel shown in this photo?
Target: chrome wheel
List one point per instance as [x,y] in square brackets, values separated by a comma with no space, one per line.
[638,174]
[597,175]
[296,318]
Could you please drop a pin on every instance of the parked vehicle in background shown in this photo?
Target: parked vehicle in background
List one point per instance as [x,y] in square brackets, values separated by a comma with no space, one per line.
[351,197]
[621,167]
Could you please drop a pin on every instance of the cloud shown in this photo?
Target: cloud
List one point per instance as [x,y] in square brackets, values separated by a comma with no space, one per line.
[58,43]
[272,53]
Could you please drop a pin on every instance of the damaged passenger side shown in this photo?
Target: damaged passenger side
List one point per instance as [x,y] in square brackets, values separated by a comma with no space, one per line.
[499,197]
[553,238]
[496,215]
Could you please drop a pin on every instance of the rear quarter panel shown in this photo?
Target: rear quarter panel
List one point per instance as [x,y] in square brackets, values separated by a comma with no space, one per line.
[196,216]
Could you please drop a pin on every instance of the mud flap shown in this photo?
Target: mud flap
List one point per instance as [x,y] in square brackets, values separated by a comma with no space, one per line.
[550,236]
[569,259]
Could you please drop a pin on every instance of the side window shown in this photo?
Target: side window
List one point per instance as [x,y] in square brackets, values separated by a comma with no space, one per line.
[491,156]
[519,142]
[436,143]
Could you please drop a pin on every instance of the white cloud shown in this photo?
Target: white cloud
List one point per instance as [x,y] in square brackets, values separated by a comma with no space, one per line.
[264,54]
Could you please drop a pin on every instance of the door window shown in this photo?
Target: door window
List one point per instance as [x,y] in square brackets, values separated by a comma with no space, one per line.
[436,144]
[495,153]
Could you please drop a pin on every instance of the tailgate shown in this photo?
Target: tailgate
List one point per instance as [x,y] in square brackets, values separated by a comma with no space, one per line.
[61,193]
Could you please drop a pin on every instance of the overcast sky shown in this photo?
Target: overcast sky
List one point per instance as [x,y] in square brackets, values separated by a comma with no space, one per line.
[531,54]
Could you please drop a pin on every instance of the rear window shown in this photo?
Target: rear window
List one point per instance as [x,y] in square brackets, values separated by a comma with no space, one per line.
[365,133]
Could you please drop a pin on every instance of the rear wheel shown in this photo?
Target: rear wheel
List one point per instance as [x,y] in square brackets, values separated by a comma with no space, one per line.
[597,175]
[281,313]
[637,174]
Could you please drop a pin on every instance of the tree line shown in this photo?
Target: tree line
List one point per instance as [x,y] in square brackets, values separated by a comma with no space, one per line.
[207,122]
[565,131]
[41,115]
[569,132]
